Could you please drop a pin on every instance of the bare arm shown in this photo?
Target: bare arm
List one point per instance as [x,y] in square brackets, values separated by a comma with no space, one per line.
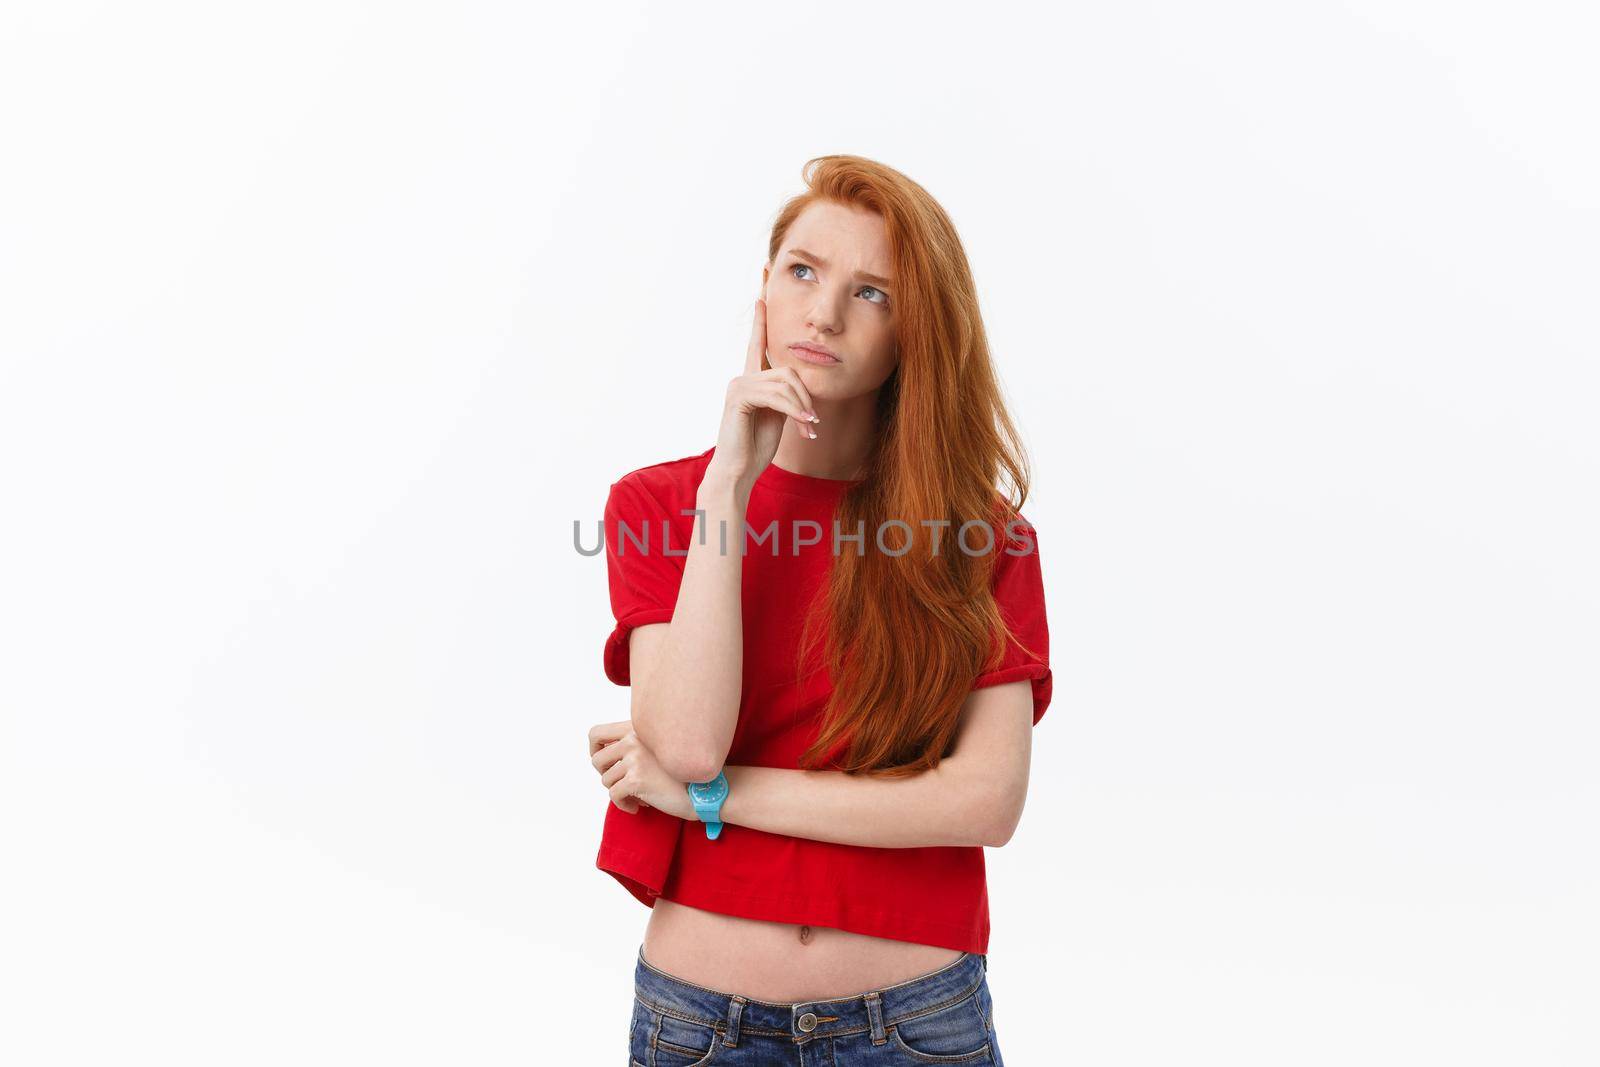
[687,675]
[975,796]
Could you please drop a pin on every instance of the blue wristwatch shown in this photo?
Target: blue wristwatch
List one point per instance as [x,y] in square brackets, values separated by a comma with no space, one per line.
[707,798]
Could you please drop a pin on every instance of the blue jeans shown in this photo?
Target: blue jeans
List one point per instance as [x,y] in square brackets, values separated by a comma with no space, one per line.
[944,1016]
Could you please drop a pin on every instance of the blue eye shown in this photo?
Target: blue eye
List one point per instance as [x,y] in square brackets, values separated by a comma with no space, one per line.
[865,288]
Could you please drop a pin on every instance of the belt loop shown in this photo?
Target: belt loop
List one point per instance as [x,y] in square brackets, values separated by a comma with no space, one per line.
[875,1017]
[985,959]
[735,1009]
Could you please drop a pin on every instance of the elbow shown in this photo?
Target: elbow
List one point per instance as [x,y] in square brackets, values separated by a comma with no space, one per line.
[988,805]
[692,765]
[687,759]
[691,759]
[1002,821]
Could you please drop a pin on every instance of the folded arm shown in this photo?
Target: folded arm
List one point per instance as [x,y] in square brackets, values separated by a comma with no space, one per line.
[974,796]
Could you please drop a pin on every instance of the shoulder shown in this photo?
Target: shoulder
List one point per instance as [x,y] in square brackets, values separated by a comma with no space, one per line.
[1018,536]
[1016,570]
[663,487]
[1014,534]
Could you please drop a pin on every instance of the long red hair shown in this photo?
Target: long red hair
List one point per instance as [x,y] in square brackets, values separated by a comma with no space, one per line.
[907,634]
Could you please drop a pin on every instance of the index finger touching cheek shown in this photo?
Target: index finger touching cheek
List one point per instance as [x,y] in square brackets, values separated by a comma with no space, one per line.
[755,353]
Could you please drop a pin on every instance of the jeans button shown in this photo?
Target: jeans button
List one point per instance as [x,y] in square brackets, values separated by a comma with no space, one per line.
[807,1022]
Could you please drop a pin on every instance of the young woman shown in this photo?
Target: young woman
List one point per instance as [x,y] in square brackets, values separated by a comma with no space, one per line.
[834,618]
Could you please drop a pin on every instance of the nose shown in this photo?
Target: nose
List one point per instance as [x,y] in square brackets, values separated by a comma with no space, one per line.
[825,313]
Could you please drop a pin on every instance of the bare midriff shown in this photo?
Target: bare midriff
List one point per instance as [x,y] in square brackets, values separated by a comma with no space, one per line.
[776,961]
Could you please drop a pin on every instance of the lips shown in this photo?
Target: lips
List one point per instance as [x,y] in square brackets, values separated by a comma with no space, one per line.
[814,353]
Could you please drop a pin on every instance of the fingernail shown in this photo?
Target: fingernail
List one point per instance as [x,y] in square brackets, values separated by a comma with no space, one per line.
[812,415]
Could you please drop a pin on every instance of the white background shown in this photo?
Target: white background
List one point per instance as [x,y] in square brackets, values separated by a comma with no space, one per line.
[322,322]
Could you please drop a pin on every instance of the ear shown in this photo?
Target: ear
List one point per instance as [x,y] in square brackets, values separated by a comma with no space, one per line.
[766,272]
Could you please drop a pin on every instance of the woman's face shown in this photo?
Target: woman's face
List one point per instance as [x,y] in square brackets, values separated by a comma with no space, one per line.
[830,287]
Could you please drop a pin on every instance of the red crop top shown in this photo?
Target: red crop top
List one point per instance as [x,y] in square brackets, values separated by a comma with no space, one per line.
[935,895]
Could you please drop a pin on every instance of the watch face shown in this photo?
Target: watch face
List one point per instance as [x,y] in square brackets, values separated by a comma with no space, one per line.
[709,792]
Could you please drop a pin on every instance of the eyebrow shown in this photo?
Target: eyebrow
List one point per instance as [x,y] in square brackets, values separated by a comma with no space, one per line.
[819,261]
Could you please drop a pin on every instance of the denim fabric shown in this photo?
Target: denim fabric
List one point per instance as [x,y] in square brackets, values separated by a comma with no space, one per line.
[945,1016]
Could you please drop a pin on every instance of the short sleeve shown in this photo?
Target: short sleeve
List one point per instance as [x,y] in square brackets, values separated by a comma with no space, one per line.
[642,574]
[1018,585]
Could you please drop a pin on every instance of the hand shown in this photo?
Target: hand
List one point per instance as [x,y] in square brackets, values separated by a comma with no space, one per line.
[629,770]
[758,403]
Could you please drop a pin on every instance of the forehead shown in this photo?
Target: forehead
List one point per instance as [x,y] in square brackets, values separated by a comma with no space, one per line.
[842,234]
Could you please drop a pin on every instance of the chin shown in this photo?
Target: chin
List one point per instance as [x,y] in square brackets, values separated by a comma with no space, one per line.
[822,381]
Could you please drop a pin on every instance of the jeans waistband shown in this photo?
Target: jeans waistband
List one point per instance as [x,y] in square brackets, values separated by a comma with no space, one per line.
[869,1011]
